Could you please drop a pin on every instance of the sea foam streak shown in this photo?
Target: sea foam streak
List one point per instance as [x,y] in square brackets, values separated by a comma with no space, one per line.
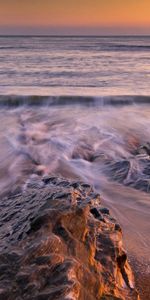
[104,145]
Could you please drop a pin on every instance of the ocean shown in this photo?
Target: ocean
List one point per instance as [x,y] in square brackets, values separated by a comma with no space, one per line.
[75,65]
[79,107]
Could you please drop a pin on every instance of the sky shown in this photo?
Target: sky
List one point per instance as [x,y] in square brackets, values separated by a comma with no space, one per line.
[75,17]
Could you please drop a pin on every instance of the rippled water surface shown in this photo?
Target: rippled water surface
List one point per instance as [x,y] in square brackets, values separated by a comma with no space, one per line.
[75,65]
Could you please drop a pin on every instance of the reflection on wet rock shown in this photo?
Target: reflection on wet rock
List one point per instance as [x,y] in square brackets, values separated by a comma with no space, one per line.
[58,242]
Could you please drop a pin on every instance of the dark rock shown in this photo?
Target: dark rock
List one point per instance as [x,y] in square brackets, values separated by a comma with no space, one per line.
[104,211]
[42,260]
[144,149]
[118,170]
[134,172]
[95,213]
[117,227]
[58,250]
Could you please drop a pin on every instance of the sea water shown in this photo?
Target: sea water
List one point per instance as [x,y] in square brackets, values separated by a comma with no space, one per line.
[75,65]
[79,107]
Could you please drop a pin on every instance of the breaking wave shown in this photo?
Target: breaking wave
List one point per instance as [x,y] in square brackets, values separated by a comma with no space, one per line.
[35,100]
[104,141]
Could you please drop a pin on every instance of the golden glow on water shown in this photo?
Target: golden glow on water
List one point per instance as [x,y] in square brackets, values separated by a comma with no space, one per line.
[75,13]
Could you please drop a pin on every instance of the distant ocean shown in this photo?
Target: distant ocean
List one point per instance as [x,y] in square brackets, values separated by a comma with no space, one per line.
[75,65]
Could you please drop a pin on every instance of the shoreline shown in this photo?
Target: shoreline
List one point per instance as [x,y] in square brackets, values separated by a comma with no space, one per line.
[64,245]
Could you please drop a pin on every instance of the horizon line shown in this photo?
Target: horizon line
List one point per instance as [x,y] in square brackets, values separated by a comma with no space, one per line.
[74,35]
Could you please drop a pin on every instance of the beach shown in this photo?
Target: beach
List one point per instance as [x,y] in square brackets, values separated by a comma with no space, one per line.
[84,117]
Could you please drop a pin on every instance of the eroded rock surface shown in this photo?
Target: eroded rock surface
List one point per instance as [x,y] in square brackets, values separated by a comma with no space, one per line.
[134,171]
[58,242]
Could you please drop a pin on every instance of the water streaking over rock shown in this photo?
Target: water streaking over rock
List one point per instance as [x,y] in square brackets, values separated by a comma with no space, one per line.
[60,243]
[96,139]
[106,146]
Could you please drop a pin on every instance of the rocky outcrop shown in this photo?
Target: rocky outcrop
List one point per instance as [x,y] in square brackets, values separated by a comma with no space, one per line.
[58,242]
[133,171]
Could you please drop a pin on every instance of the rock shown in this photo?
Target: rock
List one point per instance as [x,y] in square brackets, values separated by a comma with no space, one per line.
[144,149]
[134,172]
[62,245]
[117,227]
[104,210]
[83,151]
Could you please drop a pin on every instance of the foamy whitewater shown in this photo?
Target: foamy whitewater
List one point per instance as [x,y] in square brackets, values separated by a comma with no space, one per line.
[79,107]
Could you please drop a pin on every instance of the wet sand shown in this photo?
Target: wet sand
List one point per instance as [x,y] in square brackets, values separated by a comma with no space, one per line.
[142,277]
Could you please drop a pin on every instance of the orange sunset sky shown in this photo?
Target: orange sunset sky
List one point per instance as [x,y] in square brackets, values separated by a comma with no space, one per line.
[75,16]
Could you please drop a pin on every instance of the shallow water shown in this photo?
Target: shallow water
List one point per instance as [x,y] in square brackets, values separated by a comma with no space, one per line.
[101,145]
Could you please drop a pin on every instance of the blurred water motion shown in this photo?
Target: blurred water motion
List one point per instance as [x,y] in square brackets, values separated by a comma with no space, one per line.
[106,146]
[75,65]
